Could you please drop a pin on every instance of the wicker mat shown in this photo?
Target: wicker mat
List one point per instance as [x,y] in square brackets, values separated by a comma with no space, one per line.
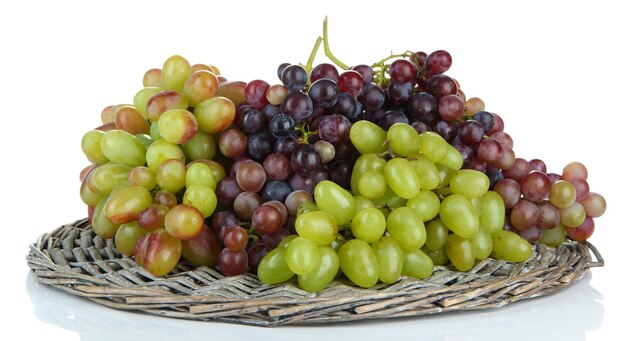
[72,258]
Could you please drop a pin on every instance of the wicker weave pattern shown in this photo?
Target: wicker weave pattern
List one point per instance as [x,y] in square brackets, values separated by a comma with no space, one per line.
[73,259]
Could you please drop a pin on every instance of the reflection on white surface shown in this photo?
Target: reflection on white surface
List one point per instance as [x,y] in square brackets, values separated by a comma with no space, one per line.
[566,315]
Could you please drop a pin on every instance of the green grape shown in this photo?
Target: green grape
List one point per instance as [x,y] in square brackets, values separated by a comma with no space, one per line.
[127,236]
[477,202]
[510,247]
[318,226]
[469,183]
[273,268]
[307,206]
[174,73]
[368,224]
[184,222]
[433,146]
[562,194]
[142,176]
[368,137]
[361,202]
[458,214]
[123,148]
[202,84]
[573,215]
[201,146]
[321,276]
[492,211]
[406,228]
[199,174]
[105,178]
[201,197]
[177,126]
[89,197]
[125,204]
[302,255]
[358,262]
[335,200]
[154,131]
[146,140]
[426,205]
[391,199]
[482,242]
[402,178]
[365,163]
[445,173]
[461,252]
[390,258]
[439,256]
[141,99]
[215,114]
[436,234]
[158,252]
[131,120]
[427,172]
[100,224]
[171,175]
[372,185]
[160,151]
[453,158]
[285,241]
[90,145]
[404,140]
[554,236]
[417,264]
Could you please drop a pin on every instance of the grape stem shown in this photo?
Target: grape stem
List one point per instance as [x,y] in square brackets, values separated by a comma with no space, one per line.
[309,64]
[304,130]
[327,47]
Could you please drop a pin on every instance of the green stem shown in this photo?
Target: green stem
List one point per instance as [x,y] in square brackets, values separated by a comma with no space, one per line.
[309,64]
[327,48]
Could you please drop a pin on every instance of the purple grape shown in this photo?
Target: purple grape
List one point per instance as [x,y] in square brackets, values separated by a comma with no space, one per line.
[253,121]
[445,129]
[324,92]
[282,125]
[324,70]
[441,85]
[305,160]
[485,119]
[400,93]
[372,98]
[294,77]
[334,128]
[285,145]
[340,173]
[298,105]
[260,145]
[403,71]
[366,71]
[471,132]
[275,190]
[392,117]
[422,107]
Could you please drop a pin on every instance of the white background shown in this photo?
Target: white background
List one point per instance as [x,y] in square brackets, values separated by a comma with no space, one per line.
[554,72]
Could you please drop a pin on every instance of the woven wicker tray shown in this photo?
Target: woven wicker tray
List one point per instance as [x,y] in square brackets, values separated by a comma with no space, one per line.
[72,258]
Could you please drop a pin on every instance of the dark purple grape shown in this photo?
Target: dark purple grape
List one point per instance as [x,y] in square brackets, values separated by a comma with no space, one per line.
[392,117]
[298,105]
[439,61]
[280,69]
[277,166]
[282,125]
[343,150]
[351,82]
[400,93]
[275,190]
[285,145]
[232,263]
[256,253]
[485,118]
[301,183]
[345,105]
[253,121]
[221,220]
[305,160]
[260,145]
[471,132]
[420,126]
[422,107]
[324,92]
[334,128]
[372,98]
[340,173]
[319,176]
[294,77]
[366,72]
[494,176]
[227,190]
[466,151]
[269,111]
[451,107]
[324,70]
[445,129]
[374,115]
[419,58]
[441,85]
[403,71]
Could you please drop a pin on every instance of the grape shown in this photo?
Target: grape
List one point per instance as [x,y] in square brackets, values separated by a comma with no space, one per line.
[202,250]
[282,125]
[536,164]
[507,159]
[535,186]
[215,114]
[324,70]
[260,145]
[275,190]
[573,215]
[390,118]
[165,198]
[469,183]
[174,73]
[199,86]
[160,151]
[153,217]
[201,197]
[131,121]
[351,82]
[406,228]
[423,107]
[202,146]
[142,176]
[281,68]
[90,145]
[273,269]
[509,190]
[251,176]
[582,188]
[199,174]
[171,175]
[368,224]
[184,222]
[285,145]
[453,158]
[518,171]
[298,105]
[277,166]
[152,77]
[302,255]
[510,247]
[439,257]
[294,199]
[461,252]
[549,216]
[294,77]
[403,71]
[177,126]
[164,101]
[124,205]
[256,253]
[433,146]
[365,71]
[532,234]
[450,107]
[321,276]
[553,177]
[324,93]
[253,121]
[390,258]
[486,119]
[438,61]
[358,262]
[245,203]
[504,139]
[403,139]
[524,214]
[402,178]
[440,86]
[232,263]
[427,172]
[335,200]
[325,149]
[372,98]
[447,130]
[126,238]
[489,150]
[221,221]
[235,238]
[458,214]
[471,132]
[583,231]
[318,226]
[482,243]
[334,128]
[562,194]
[102,226]
[492,211]
[594,204]
[436,234]
[399,93]
[227,190]
[367,137]
[298,182]
[553,237]
[574,170]
[266,219]
[426,205]
[158,252]
[121,147]
[372,185]
[305,160]
[255,93]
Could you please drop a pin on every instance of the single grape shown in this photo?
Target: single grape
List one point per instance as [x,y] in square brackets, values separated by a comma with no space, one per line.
[282,125]
[471,132]
[536,186]
[324,93]
[324,70]
[422,107]
[403,71]
[260,145]
[294,77]
[594,204]
[305,160]
[574,170]
[524,214]
[562,194]
[438,61]
[351,82]
[232,263]
[256,253]
[372,98]
[255,93]
[441,85]
[202,250]
[253,121]
[399,93]
[158,252]
[549,216]
[245,203]
[275,190]
[450,107]
[392,117]
[358,262]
